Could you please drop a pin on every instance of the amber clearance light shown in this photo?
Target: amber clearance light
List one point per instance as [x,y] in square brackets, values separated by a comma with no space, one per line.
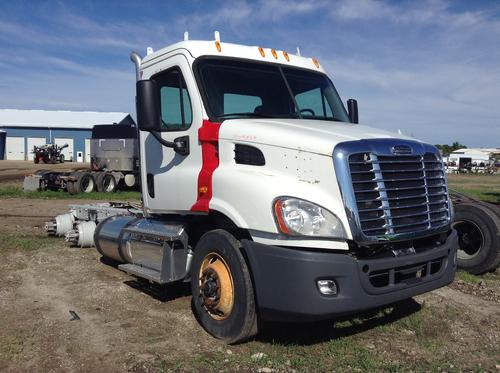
[278,212]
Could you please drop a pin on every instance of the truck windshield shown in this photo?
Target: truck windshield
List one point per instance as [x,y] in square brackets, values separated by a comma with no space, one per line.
[241,89]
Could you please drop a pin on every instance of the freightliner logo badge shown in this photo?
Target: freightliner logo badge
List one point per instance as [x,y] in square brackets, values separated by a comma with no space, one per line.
[401,149]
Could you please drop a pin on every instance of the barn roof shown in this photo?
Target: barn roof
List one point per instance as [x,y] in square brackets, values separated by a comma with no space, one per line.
[57,119]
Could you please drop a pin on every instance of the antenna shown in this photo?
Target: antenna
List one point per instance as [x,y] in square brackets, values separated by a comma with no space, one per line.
[186,35]
[217,36]
[149,50]
[298,51]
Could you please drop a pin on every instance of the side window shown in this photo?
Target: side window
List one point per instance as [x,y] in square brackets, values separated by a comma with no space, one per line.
[176,112]
[236,103]
[315,101]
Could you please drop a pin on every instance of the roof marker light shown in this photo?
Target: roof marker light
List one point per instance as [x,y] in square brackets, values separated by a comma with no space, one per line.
[149,50]
[217,41]
[186,36]
[316,62]
[275,55]
[286,56]
[261,51]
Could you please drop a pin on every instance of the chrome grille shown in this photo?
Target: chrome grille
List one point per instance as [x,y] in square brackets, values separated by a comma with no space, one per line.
[397,194]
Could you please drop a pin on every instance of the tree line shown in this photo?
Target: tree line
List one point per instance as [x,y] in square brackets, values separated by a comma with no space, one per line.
[447,149]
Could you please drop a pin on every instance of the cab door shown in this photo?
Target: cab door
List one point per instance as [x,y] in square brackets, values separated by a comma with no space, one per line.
[169,179]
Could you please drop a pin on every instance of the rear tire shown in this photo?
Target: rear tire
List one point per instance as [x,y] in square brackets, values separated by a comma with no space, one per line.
[61,158]
[84,183]
[106,182]
[479,241]
[223,296]
[70,187]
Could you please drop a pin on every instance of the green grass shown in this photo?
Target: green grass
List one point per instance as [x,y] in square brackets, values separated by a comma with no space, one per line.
[467,277]
[482,187]
[17,192]
[11,241]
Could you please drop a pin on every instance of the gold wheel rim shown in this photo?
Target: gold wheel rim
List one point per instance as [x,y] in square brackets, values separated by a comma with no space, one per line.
[216,287]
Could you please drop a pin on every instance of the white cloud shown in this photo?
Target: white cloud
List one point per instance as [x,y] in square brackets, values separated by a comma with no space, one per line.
[426,12]
[426,67]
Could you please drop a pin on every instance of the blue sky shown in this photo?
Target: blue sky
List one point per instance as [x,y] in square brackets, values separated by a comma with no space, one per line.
[430,68]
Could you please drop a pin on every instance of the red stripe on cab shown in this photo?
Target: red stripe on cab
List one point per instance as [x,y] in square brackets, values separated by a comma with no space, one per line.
[208,135]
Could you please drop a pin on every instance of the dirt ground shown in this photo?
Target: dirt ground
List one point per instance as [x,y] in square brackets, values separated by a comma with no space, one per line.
[12,172]
[125,325]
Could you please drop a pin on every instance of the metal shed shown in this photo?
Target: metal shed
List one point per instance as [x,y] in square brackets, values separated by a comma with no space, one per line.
[27,128]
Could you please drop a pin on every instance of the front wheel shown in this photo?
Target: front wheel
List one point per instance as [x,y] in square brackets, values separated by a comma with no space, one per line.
[223,297]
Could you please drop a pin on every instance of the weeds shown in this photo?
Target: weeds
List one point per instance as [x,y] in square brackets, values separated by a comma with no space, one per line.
[25,243]
[468,277]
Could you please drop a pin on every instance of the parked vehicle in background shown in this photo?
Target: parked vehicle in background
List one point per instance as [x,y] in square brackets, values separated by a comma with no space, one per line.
[114,164]
[49,153]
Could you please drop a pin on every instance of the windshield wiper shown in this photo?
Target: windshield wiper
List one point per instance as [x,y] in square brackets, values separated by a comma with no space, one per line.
[257,115]
[248,114]
[317,117]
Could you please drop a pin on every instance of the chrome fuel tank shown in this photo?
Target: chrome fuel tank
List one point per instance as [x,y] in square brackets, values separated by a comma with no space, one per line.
[143,240]
[149,243]
[108,234]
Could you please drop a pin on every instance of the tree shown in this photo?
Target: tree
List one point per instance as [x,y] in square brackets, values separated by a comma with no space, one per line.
[447,149]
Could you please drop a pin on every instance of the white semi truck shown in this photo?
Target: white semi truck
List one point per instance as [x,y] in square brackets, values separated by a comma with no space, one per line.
[264,192]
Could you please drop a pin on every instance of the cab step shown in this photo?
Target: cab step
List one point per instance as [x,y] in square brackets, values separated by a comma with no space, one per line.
[143,272]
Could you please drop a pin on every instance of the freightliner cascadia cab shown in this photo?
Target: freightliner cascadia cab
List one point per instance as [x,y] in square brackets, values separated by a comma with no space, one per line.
[261,189]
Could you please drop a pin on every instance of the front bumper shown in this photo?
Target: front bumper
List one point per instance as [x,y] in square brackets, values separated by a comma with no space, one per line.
[285,279]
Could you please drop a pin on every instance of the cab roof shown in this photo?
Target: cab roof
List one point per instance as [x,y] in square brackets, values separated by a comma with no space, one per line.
[197,48]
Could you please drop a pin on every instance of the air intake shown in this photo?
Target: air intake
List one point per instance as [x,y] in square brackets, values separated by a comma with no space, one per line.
[249,155]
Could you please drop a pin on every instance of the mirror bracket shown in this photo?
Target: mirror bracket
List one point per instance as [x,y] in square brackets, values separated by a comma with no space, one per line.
[180,144]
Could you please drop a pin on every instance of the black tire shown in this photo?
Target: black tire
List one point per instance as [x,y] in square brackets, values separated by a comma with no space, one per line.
[106,183]
[479,240]
[70,187]
[61,158]
[36,160]
[84,183]
[240,322]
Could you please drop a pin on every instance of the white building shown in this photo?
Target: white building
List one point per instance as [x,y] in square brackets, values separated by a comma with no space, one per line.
[474,155]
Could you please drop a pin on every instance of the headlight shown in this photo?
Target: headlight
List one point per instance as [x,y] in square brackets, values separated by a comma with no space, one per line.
[298,217]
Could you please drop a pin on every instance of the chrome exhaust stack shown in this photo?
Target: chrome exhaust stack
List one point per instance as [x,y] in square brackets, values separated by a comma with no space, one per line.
[136,59]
